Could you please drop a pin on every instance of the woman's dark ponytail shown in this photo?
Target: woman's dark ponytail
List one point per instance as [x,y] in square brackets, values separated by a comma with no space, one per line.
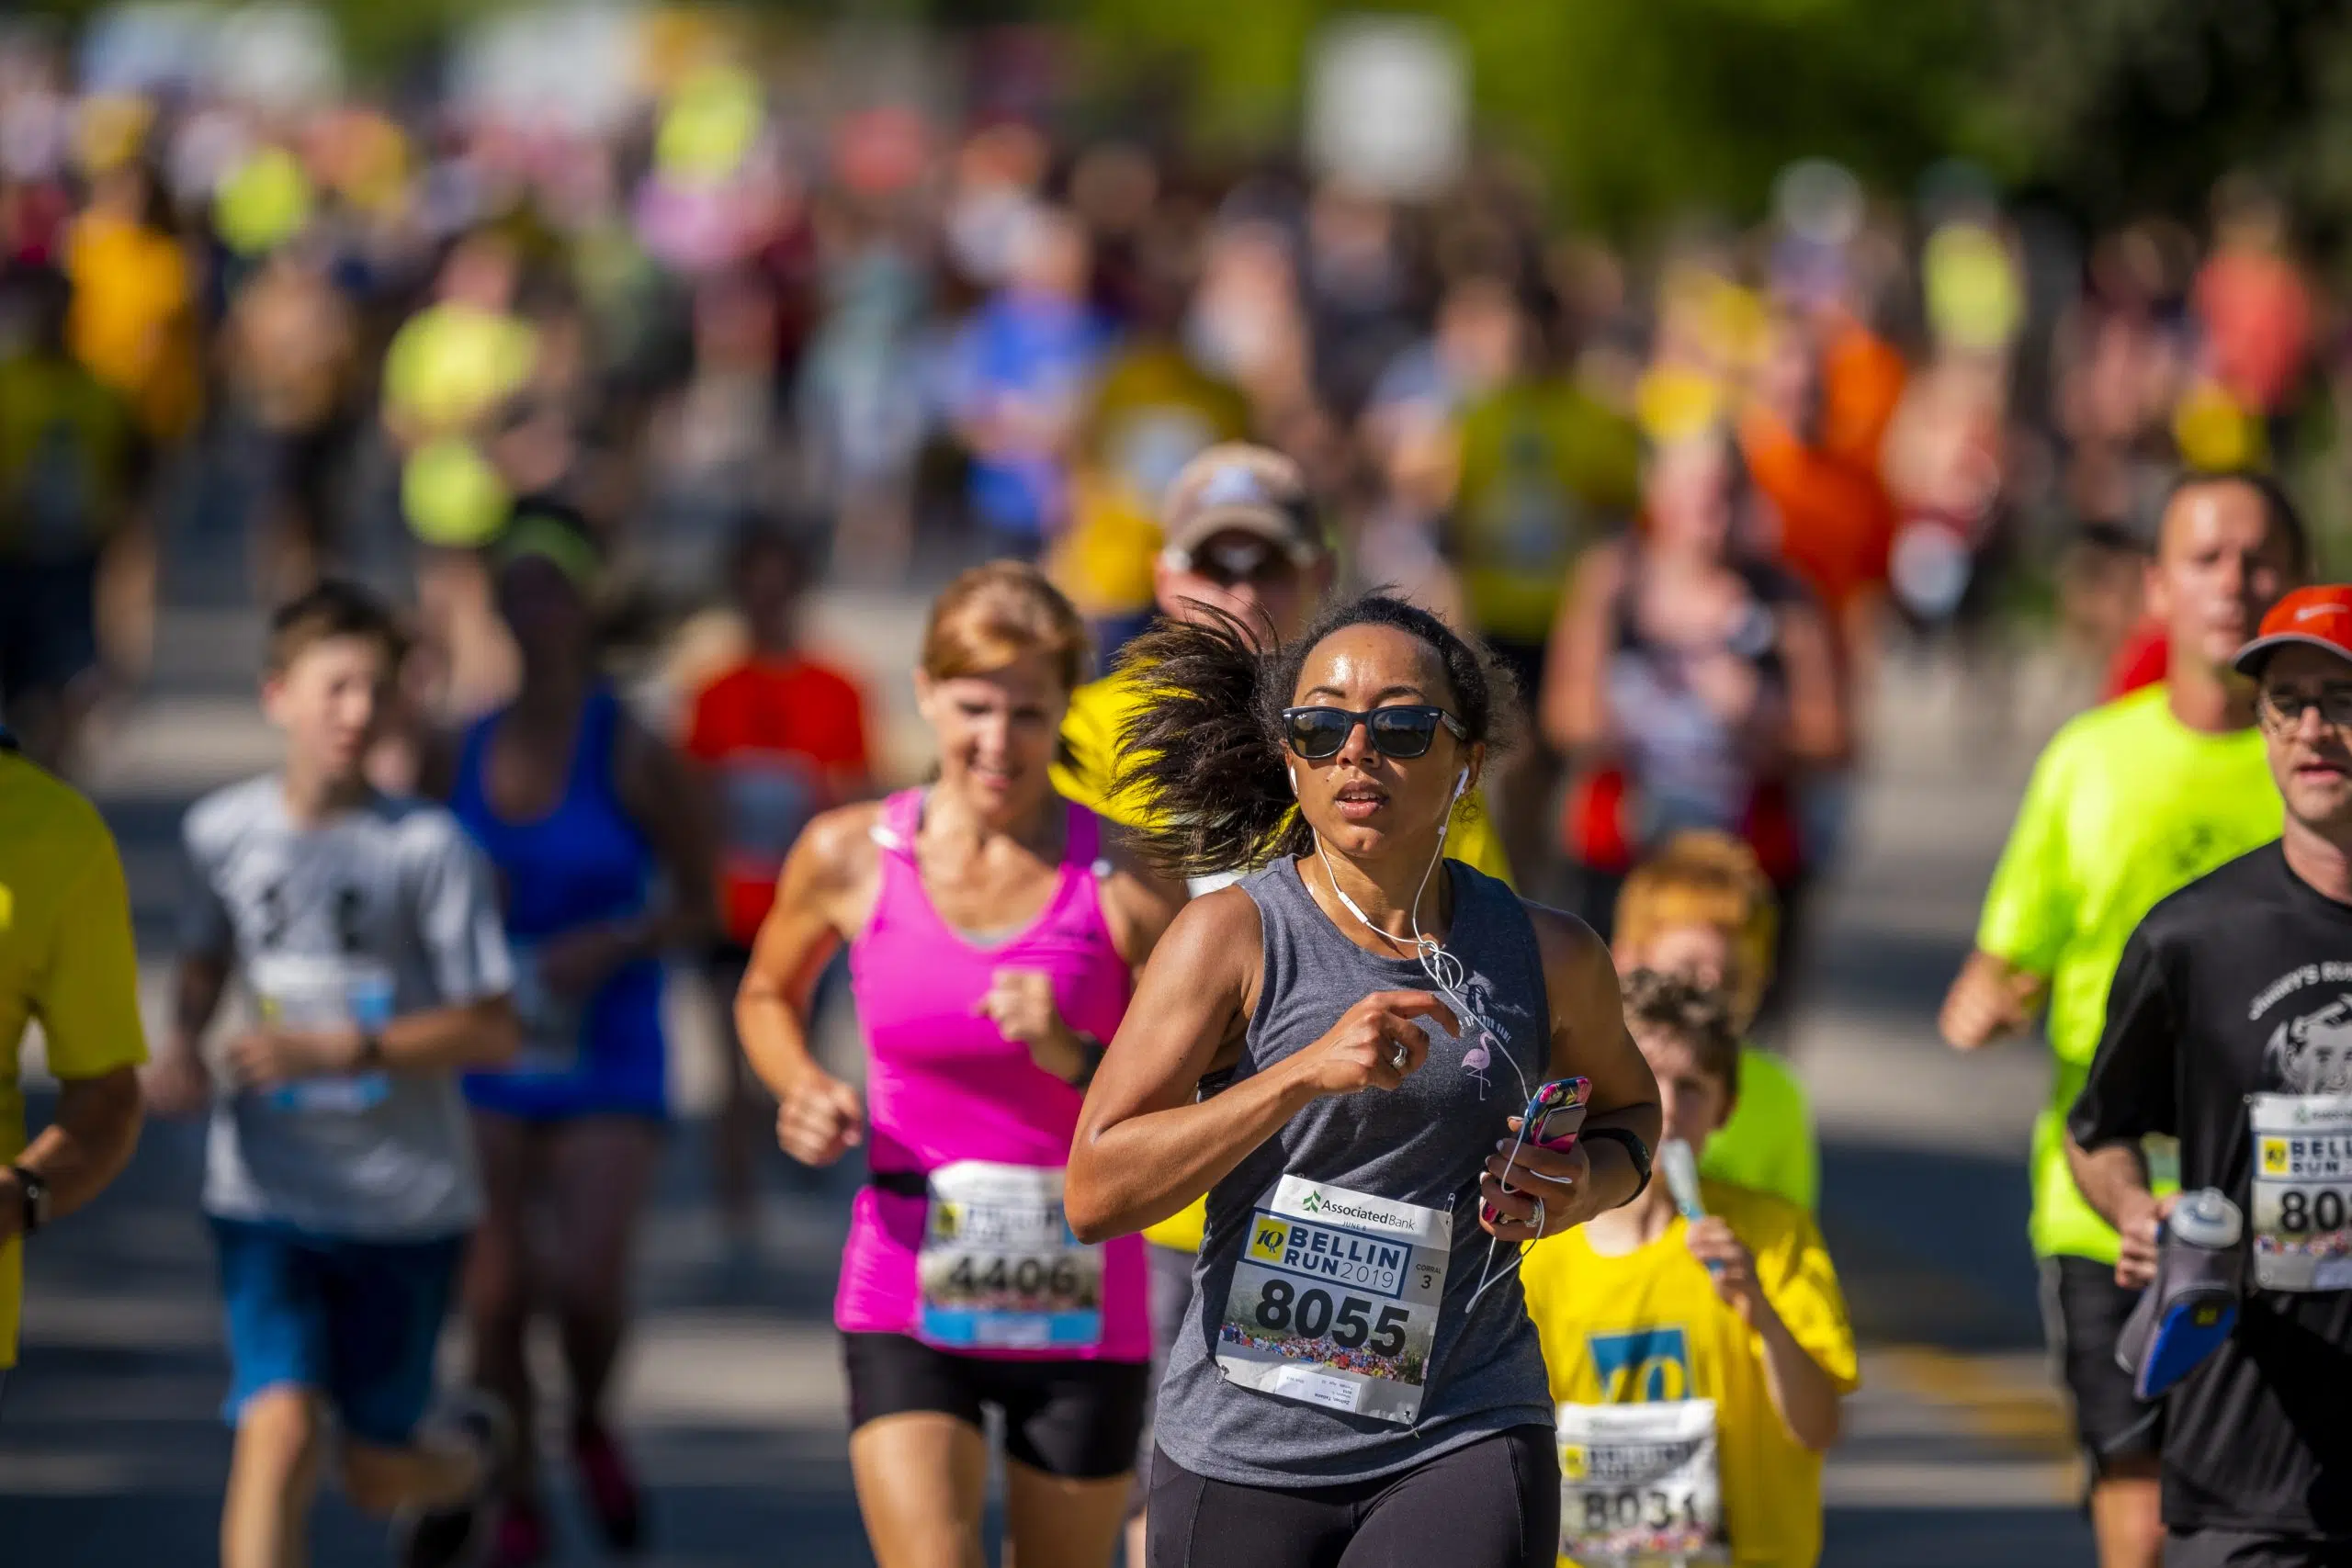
[1197,758]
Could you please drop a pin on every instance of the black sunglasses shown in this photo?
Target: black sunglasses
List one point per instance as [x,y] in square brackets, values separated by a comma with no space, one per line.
[1405,731]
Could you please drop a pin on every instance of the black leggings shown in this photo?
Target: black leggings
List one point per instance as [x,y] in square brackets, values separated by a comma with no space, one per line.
[1491,1504]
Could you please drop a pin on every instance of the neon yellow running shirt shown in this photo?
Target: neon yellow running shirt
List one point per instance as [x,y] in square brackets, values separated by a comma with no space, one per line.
[1769,1144]
[2126,806]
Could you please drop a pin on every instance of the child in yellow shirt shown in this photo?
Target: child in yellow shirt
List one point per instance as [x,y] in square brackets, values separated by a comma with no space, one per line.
[1701,908]
[1697,1363]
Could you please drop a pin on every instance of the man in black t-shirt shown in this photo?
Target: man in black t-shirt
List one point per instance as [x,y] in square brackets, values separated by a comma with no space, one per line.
[2229,1028]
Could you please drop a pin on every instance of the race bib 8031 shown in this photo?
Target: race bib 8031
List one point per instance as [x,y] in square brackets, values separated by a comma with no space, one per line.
[1638,1484]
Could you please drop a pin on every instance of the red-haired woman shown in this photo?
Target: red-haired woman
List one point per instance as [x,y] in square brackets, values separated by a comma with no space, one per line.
[994,931]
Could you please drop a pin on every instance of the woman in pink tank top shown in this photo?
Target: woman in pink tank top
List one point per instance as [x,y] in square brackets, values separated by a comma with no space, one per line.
[994,934]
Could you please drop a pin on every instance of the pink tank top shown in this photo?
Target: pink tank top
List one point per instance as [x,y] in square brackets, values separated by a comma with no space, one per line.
[955,1104]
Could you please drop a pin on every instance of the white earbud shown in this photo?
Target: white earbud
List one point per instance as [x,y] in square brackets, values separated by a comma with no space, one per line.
[1294,779]
[1462,785]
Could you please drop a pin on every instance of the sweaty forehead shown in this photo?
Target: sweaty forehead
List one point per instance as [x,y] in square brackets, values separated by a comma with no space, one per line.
[2219,509]
[1360,662]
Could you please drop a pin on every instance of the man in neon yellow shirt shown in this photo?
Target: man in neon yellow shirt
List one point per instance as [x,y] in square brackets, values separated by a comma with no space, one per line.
[1716,1339]
[2129,803]
[65,960]
[1242,536]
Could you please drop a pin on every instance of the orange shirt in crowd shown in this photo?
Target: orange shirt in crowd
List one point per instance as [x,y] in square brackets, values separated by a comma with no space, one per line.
[2258,318]
[1862,377]
[786,739]
[1837,523]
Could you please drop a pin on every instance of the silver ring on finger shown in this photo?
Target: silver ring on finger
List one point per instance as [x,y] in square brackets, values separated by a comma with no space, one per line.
[1536,1222]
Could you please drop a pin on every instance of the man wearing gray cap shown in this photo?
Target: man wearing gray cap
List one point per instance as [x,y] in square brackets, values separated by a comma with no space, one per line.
[1243,536]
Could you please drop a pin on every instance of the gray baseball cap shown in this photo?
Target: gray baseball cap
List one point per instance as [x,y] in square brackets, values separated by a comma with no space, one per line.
[1234,488]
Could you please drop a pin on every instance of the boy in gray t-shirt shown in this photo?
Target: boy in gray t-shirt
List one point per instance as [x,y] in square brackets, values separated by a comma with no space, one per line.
[339,1171]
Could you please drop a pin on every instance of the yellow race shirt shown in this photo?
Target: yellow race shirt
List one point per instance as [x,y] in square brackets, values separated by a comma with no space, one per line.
[1090,734]
[1648,1328]
[2126,806]
[65,959]
[1769,1143]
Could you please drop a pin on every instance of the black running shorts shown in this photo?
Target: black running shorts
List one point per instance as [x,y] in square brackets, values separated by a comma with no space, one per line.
[2083,1312]
[2231,1549]
[1078,1420]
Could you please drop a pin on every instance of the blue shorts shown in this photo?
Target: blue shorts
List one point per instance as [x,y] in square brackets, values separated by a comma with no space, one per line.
[356,1321]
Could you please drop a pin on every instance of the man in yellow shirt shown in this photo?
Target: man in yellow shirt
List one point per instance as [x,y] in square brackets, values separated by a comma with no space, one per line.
[1243,536]
[66,961]
[1697,1359]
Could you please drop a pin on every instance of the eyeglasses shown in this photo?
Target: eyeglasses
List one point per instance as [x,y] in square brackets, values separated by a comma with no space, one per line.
[2283,711]
[1404,731]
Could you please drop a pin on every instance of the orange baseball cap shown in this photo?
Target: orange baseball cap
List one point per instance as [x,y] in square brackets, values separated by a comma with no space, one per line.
[2319,616]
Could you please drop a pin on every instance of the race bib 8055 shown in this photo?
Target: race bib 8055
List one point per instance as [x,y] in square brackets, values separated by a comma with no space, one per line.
[1335,1300]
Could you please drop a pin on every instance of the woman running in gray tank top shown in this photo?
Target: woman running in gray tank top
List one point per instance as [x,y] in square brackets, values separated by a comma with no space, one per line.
[1356,1383]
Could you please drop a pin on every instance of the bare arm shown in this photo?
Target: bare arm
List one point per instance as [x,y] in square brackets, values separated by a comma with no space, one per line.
[2114,1180]
[177,1083]
[1145,1146]
[1138,906]
[1802,1394]
[1990,1000]
[827,891]
[1817,727]
[1575,714]
[669,804]
[480,1033]
[83,1148]
[1138,903]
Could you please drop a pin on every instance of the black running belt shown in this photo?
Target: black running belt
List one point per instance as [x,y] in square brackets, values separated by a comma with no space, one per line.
[903,1183]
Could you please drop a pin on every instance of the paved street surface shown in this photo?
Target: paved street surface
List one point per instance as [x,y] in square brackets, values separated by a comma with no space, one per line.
[1954,1455]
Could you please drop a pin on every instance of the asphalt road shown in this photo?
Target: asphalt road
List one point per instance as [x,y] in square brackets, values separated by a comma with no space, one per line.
[1955,1455]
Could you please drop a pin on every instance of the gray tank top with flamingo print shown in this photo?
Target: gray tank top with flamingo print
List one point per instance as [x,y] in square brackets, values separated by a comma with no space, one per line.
[1269,1385]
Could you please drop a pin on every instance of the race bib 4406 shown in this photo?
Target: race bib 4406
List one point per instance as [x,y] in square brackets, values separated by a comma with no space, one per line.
[999,1266]
[1335,1300]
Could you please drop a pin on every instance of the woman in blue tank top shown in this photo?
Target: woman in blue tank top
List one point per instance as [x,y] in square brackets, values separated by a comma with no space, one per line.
[582,814]
[1356,1379]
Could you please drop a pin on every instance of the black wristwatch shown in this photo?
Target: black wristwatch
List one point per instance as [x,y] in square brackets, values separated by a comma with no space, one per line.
[34,1194]
[371,1051]
[1635,1150]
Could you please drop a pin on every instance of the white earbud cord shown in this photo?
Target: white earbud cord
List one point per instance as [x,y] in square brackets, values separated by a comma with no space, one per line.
[1439,964]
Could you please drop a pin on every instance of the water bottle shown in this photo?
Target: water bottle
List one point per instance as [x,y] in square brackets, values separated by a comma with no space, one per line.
[2188,1312]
